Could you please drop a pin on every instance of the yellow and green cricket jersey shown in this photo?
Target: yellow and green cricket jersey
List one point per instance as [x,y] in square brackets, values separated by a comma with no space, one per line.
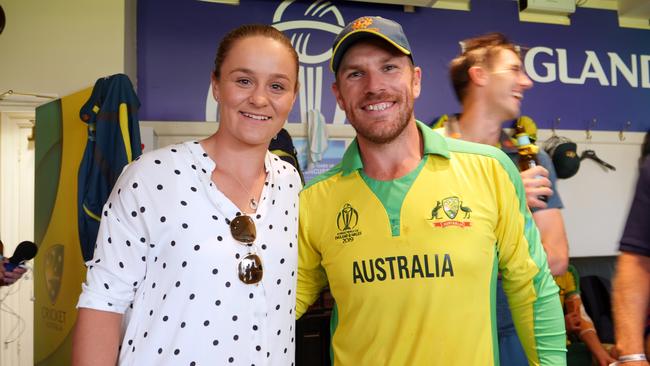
[412,263]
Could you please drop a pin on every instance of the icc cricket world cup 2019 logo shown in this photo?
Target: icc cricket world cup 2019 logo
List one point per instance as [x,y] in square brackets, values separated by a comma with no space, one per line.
[310,74]
[319,17]
[347,221]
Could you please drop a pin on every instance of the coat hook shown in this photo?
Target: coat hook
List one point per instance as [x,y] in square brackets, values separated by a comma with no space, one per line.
[590,126]
[555,125]
[621,133]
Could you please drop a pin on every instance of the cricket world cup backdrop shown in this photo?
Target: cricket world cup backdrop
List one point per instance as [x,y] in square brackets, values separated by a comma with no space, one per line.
[59,268]
[591,69]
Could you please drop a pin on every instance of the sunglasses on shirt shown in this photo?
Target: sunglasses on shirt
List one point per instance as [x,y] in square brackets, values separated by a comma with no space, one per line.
[242,229]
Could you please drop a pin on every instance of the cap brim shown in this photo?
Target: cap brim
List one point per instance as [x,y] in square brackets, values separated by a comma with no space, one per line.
[355,36]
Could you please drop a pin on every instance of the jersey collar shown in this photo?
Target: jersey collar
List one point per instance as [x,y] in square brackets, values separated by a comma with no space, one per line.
[434,143]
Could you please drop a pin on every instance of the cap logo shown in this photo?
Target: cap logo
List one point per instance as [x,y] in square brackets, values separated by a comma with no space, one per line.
[362,23]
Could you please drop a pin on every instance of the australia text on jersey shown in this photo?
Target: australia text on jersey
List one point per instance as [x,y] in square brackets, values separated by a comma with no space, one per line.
[402,267]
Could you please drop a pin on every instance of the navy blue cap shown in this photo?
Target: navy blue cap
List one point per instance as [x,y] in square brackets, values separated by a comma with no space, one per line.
[368,27]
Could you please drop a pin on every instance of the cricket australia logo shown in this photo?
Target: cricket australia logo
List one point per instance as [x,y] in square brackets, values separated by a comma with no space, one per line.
[346,221]
[450,207]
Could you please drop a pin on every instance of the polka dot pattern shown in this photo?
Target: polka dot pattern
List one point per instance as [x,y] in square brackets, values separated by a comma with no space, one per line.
[168,227]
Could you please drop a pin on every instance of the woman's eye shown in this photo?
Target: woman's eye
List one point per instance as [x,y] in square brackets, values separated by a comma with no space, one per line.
[243,82]
[278,87]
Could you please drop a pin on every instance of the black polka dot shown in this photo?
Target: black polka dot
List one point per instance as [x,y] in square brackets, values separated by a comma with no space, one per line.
[173,242]
[157,161]
[215,342]
[214,217]
[177,351]
[183,325]
[160,187]
[219,238]
[250,296]
[159,350]
[135,185]
[177,172]
[106,286]
[183,203]
[258,348]
[178,283]
[235,337]
[134,214]
[163,219]
[234,318]
[121,265]
[227,284]
[218,302]
[197,247]
[231,360]
[192,296]
[184,264]
[193,189]
[165,318]
[184,226]
[215,271]
[282,261]
[277,307]
[255,327]
[142,209]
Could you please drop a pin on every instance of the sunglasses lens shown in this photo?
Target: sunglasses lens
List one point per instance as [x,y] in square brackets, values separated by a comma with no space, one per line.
[250,269]
[242,229]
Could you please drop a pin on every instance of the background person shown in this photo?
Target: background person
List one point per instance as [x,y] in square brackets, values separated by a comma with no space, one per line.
[489,81]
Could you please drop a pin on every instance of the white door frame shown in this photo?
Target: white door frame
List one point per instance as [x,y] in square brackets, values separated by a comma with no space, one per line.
[17,224]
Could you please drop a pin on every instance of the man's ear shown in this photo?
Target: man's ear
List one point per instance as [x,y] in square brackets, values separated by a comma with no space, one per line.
[417,81]
[478,75]
[337,95]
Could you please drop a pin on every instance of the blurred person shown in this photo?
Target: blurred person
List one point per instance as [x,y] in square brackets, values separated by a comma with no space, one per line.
[489,82]
[632,279]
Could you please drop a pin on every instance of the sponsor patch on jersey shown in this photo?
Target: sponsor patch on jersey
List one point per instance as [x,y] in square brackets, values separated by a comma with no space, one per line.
[346,222]
[455,213]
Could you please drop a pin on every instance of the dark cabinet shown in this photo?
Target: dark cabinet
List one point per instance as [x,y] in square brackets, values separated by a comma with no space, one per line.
[313,333]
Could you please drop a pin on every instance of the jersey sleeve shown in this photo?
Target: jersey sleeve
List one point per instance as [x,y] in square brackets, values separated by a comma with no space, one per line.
[527,281]
[311,274]
[118,265]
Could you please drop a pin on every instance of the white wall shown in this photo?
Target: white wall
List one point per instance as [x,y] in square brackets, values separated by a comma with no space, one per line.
[63,46]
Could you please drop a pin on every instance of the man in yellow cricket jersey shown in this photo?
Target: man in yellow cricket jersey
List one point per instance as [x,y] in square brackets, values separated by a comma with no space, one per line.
[411,228]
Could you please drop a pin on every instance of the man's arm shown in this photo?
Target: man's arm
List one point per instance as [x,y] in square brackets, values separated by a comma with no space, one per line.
[630,300]
[96,338]
[527,281]
[553,235]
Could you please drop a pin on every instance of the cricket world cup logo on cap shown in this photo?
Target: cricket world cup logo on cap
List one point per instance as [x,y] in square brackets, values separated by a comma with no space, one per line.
[320,16]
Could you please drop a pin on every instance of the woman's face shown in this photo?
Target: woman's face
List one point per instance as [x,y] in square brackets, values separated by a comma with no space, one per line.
[256,89]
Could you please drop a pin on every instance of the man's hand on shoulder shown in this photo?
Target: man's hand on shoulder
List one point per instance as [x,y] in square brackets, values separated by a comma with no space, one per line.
[536,184]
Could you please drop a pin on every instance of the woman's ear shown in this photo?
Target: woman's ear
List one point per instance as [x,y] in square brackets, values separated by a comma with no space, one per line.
[215,87]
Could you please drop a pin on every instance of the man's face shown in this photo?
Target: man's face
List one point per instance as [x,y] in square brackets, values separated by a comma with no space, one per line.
[376,85]
[506,84]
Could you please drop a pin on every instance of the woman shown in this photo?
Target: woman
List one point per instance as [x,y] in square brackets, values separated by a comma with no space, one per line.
[197,243]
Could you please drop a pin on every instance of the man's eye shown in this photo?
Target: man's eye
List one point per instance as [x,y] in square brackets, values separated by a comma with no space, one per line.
[389,67]
[354,74]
